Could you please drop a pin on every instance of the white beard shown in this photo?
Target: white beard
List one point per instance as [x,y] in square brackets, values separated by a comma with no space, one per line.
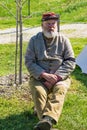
[50,34]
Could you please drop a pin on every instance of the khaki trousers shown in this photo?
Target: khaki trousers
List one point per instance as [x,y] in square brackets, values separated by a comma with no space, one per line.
[47,102]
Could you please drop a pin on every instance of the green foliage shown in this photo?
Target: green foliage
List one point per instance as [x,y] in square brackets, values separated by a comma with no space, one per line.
[70,11]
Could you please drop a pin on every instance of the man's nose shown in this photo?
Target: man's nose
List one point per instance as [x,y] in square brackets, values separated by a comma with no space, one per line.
[51,25]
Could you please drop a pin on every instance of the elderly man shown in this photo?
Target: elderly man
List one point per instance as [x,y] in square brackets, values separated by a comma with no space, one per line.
[50,60]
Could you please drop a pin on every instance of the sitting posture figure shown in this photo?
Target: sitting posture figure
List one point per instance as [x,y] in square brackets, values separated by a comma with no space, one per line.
[50,60]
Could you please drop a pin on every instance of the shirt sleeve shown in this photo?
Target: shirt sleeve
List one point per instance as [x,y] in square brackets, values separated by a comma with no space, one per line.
[68,64]
[30,61]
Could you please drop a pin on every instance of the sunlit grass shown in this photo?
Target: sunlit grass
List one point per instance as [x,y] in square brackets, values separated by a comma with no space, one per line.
[7,54]
[70,11]
[16,110]
[7,58]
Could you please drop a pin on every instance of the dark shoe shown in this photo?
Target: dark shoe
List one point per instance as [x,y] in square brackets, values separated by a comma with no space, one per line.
[36,128]
[50,119]
[43,125]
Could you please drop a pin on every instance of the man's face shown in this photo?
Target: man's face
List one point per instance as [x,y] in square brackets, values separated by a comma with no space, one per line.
[49,28]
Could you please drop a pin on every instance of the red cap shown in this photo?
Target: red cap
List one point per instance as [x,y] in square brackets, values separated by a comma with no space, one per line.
[49,16]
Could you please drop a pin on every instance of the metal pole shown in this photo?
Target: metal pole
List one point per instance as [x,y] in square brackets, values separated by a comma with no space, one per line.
[28,7]
[20,19]
[16,51]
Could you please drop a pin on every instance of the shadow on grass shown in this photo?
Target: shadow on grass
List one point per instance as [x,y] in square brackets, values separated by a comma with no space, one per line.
[80,76]
[23,121]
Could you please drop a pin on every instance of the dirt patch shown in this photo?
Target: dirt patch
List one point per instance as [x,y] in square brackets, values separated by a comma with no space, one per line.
[8,88]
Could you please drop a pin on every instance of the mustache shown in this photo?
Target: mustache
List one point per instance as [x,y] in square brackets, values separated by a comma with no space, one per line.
[50,34]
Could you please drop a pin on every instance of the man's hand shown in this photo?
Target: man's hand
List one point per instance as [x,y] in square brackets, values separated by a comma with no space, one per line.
[48,84]
[51,79]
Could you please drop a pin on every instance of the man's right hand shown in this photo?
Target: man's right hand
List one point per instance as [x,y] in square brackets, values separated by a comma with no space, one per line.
[48,84]
[51,78]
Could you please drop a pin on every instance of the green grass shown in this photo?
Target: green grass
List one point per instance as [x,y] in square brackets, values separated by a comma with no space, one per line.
[15,110]
[7,58]
[70,11]
[78,44]
[75,108]
[16,114]
[7,55]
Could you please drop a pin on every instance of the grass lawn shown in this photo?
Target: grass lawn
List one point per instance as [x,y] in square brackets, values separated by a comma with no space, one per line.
[7,55]
[7,58]
[15,109]
[70,11]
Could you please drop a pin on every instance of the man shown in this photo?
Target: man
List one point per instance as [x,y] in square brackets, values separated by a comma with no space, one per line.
[50,60]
